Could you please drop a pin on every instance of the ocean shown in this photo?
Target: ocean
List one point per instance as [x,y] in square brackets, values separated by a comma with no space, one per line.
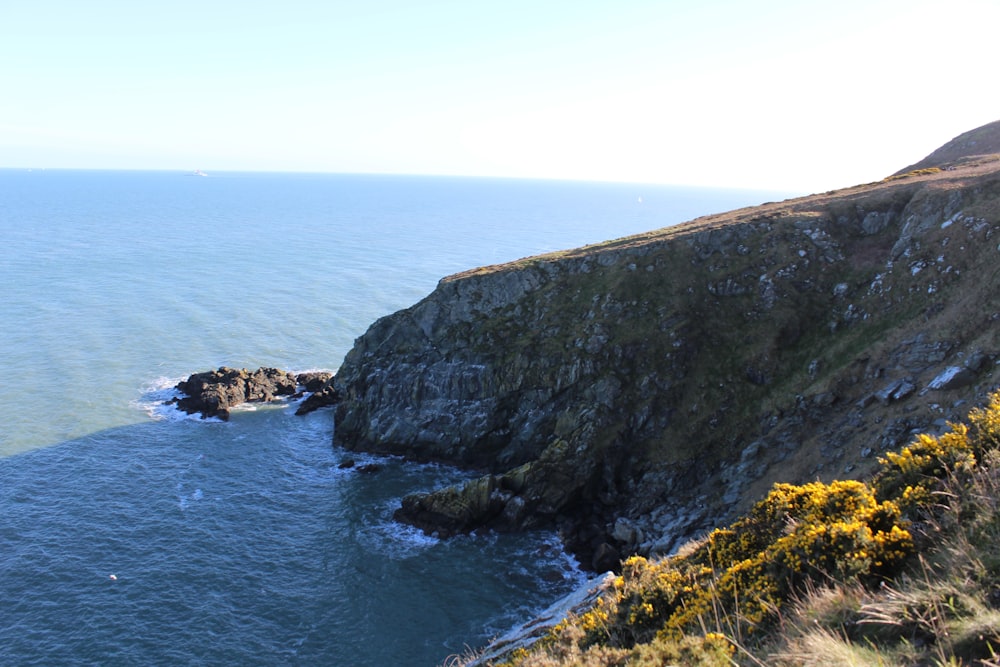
[131,534]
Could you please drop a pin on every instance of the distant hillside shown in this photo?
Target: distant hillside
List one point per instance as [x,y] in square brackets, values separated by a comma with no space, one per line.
[965,147]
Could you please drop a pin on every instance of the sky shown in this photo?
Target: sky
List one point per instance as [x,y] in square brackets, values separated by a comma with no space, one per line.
[790,95]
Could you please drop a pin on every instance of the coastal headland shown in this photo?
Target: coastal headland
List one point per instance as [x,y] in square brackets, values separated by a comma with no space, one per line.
[640,391]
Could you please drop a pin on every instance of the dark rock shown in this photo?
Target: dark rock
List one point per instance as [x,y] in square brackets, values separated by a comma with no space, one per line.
[824,400]
[313,381]
[531,495]
[885,395]
[905,390]
[976,362]
[757,376]
[606,558]
[326,395]
[918,354]
[364,469]
[865,401]
[875,222]
[453,510]
[895,391]
[213,393]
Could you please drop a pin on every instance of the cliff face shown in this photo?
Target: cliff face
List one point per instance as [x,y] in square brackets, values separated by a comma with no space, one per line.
[641,390]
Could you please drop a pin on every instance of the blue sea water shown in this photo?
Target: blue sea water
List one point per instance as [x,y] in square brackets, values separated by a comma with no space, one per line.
[130,534]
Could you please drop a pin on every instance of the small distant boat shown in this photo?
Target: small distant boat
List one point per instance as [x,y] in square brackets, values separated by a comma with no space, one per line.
[199,172]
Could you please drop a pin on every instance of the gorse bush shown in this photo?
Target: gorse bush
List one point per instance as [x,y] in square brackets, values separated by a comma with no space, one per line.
[913,475]
[730,589]
[748,570]
[926,171]
[809,532]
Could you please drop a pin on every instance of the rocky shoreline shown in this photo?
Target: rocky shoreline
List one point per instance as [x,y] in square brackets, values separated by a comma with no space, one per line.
[214,393]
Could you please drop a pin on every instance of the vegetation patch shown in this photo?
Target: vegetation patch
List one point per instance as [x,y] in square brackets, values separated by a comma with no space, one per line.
[898,571]
[927,171]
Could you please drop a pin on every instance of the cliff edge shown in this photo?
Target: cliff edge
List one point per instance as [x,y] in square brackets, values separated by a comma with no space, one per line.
[636,392]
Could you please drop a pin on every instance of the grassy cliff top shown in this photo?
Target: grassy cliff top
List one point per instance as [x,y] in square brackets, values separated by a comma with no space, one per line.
[957,164]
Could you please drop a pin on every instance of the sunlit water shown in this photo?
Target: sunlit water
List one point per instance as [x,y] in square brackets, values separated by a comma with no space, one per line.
[130,535]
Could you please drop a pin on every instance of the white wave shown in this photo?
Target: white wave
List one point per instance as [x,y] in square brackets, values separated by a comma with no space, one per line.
[164,411]
[277,403]
[348,462]
[396,540]
[315,370]
[154,399]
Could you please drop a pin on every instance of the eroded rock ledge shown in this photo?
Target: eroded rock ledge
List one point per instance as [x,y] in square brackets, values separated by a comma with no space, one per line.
[214,393]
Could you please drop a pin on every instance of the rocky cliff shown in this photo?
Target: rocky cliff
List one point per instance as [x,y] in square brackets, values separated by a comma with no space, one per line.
[638,391]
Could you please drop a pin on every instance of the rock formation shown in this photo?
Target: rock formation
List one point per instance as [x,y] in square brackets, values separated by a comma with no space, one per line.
[214,393]
[638,391]
[324,394]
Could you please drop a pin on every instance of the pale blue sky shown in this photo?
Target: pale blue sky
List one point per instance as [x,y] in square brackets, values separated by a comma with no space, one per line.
[780,94]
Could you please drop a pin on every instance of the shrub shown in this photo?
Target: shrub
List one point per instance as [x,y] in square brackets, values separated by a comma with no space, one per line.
[912,475]
[729,590]
[741,575]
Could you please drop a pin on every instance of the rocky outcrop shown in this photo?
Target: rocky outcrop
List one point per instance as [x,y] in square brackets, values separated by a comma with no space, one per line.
[639,391]
[214,393]
[313,381]
[529,495]
[323,395]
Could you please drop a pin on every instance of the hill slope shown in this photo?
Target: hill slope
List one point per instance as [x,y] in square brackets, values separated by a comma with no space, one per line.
[965,148]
